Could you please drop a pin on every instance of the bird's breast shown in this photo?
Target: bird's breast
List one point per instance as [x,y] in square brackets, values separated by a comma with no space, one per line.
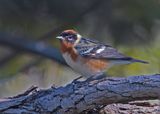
[67,48]
[84,66]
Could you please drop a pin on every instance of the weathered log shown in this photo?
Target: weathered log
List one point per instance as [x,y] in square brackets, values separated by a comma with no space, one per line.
[83,96]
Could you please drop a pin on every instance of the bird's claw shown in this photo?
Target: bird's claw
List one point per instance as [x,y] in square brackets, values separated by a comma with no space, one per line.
[76,80]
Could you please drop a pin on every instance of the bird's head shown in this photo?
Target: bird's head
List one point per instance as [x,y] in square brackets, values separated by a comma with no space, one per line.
[69,37]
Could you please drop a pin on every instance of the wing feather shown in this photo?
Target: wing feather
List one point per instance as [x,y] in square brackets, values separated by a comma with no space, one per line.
[94,49]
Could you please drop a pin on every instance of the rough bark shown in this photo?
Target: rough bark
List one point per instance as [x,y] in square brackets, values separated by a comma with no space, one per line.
[131,108]
[79,97]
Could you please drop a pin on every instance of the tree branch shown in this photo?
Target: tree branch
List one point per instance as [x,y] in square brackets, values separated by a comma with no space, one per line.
[82,96]
[38,48]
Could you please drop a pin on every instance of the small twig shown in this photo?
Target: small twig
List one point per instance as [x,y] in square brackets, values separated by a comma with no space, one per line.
[28,91]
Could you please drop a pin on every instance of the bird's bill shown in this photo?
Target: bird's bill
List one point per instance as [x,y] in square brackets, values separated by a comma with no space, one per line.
[60,37]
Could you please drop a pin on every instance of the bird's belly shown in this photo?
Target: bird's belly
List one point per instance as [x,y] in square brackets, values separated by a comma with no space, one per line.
[80,66]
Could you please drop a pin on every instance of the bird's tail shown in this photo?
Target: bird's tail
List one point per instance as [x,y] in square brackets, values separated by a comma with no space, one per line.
[140,61]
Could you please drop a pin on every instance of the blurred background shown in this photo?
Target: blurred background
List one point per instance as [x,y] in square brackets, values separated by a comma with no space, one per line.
[29,52]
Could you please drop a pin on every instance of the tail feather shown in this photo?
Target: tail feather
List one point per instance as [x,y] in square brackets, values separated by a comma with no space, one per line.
[140,61]
[128,60]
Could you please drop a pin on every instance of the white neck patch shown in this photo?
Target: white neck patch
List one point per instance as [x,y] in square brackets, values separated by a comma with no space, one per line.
[79,36]
[78,39]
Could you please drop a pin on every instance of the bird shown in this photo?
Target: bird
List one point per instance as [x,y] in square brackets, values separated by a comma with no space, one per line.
[89,57]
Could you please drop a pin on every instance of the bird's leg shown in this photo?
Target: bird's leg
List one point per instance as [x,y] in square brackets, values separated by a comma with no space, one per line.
[96,77]
[76,79]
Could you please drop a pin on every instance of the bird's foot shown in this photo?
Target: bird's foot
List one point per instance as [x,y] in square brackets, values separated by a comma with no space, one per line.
[76,80]
[96,77]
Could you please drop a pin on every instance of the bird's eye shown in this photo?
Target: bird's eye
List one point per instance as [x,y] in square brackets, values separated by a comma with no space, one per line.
[70,38]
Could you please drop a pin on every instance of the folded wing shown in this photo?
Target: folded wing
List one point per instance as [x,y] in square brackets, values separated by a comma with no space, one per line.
[93,49]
